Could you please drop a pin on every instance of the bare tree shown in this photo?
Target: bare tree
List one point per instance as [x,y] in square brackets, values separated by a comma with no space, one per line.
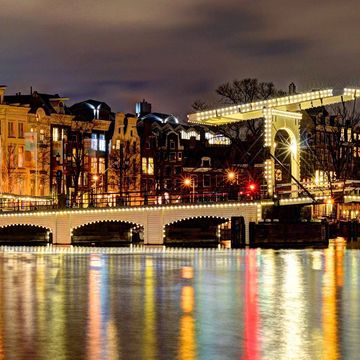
[9,168]
[246,137]
[124,164]
[330,147]
[80,131]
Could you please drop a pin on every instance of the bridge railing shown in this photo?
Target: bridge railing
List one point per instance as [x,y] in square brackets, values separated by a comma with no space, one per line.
[122,200]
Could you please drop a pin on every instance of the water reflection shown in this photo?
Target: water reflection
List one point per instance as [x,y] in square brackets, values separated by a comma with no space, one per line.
[187,337]
[249,304]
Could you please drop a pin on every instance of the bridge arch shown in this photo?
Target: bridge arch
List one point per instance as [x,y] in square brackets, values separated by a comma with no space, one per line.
[275,123]
[29,235]
[107,231]
[200,230]
[286,147]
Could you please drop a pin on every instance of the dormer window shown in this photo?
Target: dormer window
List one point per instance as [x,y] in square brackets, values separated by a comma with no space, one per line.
[205,162]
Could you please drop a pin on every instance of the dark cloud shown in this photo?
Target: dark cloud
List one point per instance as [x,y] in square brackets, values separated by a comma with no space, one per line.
[172,53]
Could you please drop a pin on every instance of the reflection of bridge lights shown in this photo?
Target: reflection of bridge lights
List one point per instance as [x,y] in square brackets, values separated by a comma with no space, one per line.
[95,261]
[187,272]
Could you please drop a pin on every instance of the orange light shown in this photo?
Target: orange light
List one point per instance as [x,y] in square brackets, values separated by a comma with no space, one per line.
[187,182]
[330,201]
[231,175]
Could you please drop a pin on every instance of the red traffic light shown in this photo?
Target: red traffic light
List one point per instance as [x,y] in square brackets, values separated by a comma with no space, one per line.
[252,186]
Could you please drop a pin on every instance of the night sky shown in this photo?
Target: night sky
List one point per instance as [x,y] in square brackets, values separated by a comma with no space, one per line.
[172,52]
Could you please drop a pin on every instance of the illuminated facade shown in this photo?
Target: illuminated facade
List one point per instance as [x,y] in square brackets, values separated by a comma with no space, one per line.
[125,161]
[27,153]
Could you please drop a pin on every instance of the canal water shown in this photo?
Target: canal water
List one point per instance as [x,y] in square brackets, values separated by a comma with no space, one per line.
[179,304]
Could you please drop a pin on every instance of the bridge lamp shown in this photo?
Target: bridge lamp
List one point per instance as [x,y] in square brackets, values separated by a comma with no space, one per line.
[293,148]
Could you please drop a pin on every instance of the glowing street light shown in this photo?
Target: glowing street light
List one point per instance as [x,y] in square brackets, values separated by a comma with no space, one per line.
[231,175]
[190,182]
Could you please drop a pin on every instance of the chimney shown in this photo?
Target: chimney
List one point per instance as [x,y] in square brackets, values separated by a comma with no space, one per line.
[292,89]
[142,108]
[2,92]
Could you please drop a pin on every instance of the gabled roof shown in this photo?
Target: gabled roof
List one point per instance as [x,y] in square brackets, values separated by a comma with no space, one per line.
[34,101]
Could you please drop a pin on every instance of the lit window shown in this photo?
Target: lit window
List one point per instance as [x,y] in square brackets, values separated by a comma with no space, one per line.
[144,165]
[342,134]
[94,167]
[150,166]
[102,143]
[42,135]
[55,134]
[94,142]
[117,144]
[101,165]
[349,135]
[147,166]
[20,156]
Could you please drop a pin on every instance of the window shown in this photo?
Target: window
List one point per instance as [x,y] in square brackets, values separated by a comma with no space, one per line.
[101,165]
[147,166]
[150,166]
[94,142]
[94,167]
[20,156]
[206,162]
[349,135]
[117,144]
[55,134]
[20,130]
[144,165]
[11,129]
[172,144]
[42,135]
[102,142]
[342,134]
[172,156]
[134,147]
[179,156]
[207,181]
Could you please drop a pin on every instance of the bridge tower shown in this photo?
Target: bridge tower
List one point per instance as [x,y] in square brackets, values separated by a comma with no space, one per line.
[281,113]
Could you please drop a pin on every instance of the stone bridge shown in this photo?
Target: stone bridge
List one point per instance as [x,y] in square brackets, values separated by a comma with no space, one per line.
[153,219]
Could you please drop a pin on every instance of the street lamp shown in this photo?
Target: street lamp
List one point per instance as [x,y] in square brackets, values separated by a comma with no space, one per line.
[95,178]
[190,182]
[231,177]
